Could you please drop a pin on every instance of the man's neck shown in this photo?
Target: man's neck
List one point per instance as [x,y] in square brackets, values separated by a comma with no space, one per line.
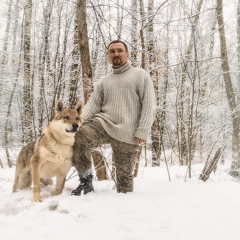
[116,67]
[121,69]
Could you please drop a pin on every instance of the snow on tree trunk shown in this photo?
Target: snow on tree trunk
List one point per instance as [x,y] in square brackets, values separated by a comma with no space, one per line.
[27,91]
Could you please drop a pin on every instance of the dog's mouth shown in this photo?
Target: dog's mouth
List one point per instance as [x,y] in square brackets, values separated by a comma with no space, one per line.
[73,129]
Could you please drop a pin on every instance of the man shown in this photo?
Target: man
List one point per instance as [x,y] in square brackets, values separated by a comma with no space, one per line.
[120,111]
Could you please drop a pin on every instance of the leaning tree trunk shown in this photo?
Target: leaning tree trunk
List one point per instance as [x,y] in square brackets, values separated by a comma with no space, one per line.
[27,96]
[235,168]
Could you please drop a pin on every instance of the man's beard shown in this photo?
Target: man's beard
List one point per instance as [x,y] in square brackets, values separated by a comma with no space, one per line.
[117,62]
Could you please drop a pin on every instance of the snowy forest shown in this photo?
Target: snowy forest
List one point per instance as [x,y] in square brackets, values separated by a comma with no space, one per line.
[52,49]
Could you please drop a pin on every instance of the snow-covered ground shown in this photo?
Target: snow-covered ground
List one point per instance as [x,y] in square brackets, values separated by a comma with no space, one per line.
[156,210]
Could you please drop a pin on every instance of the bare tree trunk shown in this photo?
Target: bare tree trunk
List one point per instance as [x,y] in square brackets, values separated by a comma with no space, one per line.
[6,38]
[61,75]
[238,48]
[143,43]
[84,49]
[43,67]
[134,27]
[203,89]
[15,26]
[75,69]
[156,146]
[86,65]
[184,131]
[6,126]
[119,20]
[27,95]
[235,168]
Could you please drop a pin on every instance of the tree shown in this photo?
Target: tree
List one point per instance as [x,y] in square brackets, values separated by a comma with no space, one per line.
[134,33]
[231,96]
[27,88]
[84,49]
[156,152]
[6,38]
[86,67]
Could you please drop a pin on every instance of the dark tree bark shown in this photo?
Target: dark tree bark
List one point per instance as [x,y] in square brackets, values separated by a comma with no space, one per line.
[86,64]
[84,49]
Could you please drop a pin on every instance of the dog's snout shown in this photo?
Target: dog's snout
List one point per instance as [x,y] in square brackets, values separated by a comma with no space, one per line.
[75,126]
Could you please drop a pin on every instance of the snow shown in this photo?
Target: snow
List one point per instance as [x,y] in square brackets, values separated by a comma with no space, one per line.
[158,209]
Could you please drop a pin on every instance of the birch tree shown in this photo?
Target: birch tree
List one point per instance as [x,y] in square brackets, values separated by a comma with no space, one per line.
[7,33]
[156,151]
[75,68]
[134,32]
[27,89]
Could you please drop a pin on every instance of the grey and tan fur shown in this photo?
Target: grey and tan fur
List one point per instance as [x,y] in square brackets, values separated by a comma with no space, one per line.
[51,155]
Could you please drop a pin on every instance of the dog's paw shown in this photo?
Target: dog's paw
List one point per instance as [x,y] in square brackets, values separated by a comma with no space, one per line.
[37,199]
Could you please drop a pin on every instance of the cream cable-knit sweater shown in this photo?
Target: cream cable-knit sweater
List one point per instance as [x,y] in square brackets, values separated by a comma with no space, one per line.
[124,102]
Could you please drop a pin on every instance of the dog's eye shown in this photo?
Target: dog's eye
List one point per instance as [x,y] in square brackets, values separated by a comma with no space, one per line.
[77,118]
[67,117]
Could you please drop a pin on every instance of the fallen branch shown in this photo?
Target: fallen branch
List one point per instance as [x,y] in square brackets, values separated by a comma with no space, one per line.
[211,165]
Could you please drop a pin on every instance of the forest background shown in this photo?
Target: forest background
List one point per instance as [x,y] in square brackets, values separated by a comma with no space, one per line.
[52,49]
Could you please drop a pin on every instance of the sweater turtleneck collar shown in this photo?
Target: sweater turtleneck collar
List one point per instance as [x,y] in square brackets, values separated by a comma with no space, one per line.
[122,69]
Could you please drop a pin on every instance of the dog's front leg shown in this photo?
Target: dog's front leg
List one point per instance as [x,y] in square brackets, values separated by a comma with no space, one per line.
[60,182]
[35,167]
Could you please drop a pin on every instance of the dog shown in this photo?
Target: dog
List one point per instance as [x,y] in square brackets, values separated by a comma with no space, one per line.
[51,155]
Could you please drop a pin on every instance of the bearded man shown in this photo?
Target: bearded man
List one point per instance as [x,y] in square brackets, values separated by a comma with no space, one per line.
[120,112]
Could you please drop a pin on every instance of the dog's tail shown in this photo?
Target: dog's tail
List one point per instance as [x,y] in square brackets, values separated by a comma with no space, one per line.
[23,177]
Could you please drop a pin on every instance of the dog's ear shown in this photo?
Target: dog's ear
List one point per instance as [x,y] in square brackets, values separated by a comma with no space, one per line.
[79,107]
[59,106]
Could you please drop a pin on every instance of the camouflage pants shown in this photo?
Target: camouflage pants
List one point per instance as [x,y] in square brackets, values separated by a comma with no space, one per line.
[91,135]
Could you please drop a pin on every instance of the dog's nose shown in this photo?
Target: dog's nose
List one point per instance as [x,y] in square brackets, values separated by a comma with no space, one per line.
[75,127]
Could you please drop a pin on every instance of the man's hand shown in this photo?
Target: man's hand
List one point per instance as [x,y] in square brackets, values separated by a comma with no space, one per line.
[139,140]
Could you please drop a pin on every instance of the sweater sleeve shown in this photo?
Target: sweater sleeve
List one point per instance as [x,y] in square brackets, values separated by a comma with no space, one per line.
[148,111]
[94,103]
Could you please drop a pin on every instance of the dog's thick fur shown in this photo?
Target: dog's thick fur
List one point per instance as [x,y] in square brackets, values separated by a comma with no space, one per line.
[51,155]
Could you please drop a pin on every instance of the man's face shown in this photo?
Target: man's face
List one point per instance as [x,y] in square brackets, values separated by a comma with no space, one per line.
[117,55]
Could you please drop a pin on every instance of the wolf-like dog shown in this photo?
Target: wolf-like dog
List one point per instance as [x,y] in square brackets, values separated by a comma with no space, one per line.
[51,155]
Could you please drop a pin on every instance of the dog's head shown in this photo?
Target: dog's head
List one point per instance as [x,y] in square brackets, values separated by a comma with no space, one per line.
[69,119]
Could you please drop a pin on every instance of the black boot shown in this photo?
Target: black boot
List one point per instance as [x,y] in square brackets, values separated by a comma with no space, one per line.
[85,186]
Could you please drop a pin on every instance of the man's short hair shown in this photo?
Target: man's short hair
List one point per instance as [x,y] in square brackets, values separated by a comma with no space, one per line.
[118,41]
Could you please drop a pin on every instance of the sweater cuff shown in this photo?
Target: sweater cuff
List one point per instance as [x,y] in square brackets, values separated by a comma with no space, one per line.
[140,134]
